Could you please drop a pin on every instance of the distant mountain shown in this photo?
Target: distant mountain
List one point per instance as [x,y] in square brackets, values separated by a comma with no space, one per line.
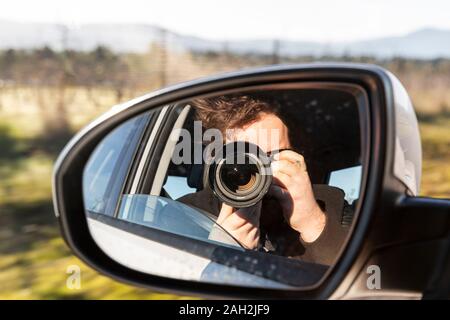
[423,44]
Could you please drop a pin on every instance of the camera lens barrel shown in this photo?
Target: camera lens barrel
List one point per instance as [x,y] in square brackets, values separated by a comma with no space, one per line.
[239,174]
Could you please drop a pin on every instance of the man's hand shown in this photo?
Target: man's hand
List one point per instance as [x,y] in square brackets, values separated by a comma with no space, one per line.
[292,187]
[242,223]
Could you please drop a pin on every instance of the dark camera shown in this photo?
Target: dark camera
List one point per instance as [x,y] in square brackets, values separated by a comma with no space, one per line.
[239,174]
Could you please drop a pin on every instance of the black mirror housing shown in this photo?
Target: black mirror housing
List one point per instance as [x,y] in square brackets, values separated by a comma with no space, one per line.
[387,218]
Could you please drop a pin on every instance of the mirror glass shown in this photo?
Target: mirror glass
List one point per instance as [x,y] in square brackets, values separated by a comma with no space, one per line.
[257,187]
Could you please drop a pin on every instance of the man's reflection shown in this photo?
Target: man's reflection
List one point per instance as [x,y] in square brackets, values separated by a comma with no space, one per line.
[296,218]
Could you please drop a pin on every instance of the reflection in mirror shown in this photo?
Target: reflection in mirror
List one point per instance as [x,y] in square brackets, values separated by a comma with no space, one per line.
[257,187]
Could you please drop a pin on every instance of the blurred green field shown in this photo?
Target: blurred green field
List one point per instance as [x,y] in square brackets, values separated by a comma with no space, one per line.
[34,258]
[435,134]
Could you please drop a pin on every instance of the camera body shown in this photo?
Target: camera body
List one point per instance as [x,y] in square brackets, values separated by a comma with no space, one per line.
[239,174]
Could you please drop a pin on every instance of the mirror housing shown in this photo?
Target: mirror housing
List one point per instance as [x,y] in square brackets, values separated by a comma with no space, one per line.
[387,222]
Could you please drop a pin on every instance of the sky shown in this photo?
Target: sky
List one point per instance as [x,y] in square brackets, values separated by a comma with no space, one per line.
[311,20]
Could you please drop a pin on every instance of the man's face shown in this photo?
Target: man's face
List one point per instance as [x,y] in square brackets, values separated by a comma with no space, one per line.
[268,132]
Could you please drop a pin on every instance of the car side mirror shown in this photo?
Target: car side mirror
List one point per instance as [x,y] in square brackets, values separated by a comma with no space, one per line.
[284,181]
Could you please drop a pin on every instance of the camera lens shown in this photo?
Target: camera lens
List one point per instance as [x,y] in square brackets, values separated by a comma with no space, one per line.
[240,175]
[239,178]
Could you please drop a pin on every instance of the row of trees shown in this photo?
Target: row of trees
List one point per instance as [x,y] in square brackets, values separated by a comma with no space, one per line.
[140,72]
[45,67]
[103,67]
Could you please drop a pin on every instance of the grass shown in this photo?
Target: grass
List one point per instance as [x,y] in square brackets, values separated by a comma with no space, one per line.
[34,258]
[435,133]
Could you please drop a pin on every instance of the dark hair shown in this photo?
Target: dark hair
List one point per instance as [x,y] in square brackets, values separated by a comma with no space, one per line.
[232,111]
